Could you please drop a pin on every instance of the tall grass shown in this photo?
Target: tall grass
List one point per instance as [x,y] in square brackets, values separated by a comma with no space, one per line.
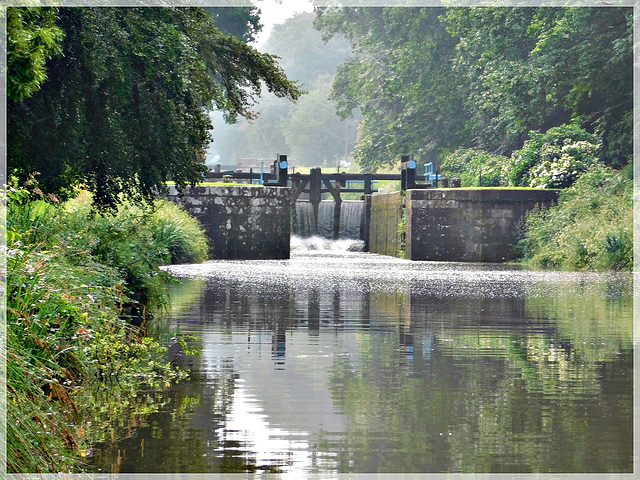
[591,227]
[179,233]
[79,289]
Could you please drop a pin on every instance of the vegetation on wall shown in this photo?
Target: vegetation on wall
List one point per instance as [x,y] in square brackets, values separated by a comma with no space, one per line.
[556,158]
[476,168]
[553,159]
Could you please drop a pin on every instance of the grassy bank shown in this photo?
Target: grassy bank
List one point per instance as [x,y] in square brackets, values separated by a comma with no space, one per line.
[81,290]
[591,227]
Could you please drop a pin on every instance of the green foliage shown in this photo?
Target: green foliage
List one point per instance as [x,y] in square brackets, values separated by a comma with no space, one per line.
[125,242]
[476,168]
[33,39]
[137,242]
[125,106]
[178,232]
[591,227]
[556,158]
[429,80]
[304,56]
[76,285]
[398,78]
[241,22]
[312,130]
[536,68]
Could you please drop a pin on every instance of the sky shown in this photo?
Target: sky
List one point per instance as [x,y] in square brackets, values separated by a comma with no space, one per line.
[274,13]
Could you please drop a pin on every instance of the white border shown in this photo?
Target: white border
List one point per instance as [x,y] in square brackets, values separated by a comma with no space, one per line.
[376,3]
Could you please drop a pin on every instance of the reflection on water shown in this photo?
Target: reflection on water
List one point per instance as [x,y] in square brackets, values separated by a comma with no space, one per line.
[340,361]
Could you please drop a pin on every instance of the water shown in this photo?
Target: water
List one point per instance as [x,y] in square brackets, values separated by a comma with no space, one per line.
[350,219]
[339,361]
[324,246]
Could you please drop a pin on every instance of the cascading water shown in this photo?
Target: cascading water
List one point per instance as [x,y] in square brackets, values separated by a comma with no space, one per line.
[306,238]
[350,219]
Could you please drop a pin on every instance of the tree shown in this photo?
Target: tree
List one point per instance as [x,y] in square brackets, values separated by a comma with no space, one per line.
[305,57]
[313,131]
[241,22]
[35,38]
[259,138]
[125,107]
[432,80]
[304,54]
[400,76]
[538,68]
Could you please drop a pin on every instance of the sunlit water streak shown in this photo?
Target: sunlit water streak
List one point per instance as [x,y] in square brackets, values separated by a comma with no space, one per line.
[343,361]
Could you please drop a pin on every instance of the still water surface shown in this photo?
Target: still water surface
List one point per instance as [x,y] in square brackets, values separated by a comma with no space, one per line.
[348,362]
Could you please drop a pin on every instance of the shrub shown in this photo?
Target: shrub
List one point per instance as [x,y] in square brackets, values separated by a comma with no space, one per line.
[179,233]
[590,227]
[74,281]
[125,242]
[476,168]
[556,158]
[137,242]
[66,337]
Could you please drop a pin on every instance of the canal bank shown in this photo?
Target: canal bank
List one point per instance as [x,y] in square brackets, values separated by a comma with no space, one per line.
[80,293]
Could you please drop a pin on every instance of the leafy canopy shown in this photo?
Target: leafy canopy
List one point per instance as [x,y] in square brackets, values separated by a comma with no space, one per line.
[35,38]
[432,80]
[125,106]
[400,78]
[242,22]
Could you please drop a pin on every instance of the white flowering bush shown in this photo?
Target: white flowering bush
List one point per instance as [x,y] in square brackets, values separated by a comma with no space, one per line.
[556,158]
[560,167]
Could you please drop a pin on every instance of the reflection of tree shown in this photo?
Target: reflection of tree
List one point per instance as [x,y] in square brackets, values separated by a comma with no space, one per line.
[586,311]
[170,440]
[433,383]
[512,394]
[181,429]
[313,309]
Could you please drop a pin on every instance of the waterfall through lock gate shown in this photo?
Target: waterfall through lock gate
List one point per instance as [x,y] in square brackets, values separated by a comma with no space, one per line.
[351,213]
[350,234]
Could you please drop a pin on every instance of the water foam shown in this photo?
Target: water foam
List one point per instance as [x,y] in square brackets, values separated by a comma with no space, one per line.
[320,244]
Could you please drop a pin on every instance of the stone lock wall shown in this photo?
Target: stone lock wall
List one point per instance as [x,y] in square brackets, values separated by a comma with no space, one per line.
[384,216]
[241,222]
[453,224]
[468,225]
